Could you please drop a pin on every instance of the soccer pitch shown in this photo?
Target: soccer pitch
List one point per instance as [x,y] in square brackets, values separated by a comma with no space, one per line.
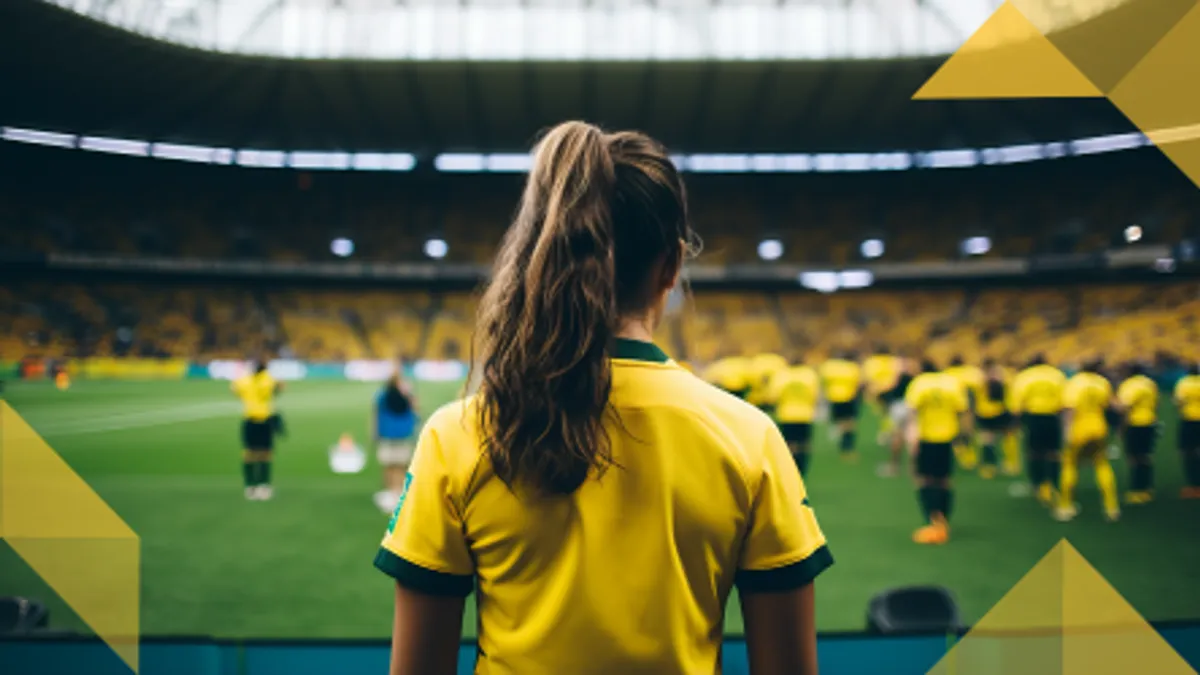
[166,457]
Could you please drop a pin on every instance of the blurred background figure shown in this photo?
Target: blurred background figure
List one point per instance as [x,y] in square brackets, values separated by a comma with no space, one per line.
[393,425]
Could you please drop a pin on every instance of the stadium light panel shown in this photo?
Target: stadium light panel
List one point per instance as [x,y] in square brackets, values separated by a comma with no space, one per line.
[304,159]
[770,249]
[1013,154]
[799,163]
[436,248]
[855,279]
[114,146]
[1133,234]
[183,153]
[509,162]
[1114,143]
[37,137]
[827,162]
[977,245]
[1055,150]
[342,247]
[270,159]
[872,248]
[223,156]
[382,161]
[951,159]
[891,161]
[718,163]
[1164,265]
[460,162]
[825,282]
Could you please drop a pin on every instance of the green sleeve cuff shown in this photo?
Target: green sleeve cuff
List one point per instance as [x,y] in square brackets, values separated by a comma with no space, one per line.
[787,578]
[421,579]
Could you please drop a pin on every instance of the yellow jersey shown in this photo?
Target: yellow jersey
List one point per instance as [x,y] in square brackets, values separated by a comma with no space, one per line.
[880,371]
[1187,397]
[257,392]
[1088,395]
[1037,390]
[794,392]
[991,395]
[841,380]
[762,368]
[1139,396]
[938,399]
[704,495]
[970,377]
[732,373]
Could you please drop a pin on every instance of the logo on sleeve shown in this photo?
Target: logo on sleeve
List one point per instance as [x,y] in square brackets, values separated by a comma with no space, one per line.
[400,502]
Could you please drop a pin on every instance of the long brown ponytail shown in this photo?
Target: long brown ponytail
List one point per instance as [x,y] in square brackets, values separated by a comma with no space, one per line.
[599,214]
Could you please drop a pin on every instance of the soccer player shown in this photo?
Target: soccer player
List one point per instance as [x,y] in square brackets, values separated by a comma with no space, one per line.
[880,370]
[762,368]
[971,378]
[600,500]
[794,392]
[1037,396]
[394,419]
[940,415]
[1086,400]
[993,420]
[842,381]
[731,373]
[1187,398]
[1137,403]
[898,414]
[260,424]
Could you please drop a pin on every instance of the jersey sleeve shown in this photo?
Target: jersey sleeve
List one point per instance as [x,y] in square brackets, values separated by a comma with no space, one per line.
[912,397]
[1127,394]
[425,547]
[784,547]
[962,401]
[1071,394]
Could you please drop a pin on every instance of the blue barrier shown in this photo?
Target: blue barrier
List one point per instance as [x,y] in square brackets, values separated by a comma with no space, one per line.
[838,653]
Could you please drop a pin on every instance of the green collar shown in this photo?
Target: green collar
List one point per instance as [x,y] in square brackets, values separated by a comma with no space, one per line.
[636,350]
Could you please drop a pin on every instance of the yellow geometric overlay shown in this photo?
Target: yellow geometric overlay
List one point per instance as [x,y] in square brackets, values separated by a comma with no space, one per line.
[67,534]
[1062,617]
[1143,55]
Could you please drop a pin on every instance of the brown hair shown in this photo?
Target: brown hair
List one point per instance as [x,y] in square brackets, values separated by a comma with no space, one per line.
[600,215]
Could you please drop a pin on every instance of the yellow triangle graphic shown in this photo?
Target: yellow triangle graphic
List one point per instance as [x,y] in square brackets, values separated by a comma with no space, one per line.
[1008,57]
[1062,617]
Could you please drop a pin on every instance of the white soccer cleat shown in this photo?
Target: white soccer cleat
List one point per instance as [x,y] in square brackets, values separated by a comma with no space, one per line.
[1112,516]
[251,494]
[386,500]
[1065,514]
[265,493]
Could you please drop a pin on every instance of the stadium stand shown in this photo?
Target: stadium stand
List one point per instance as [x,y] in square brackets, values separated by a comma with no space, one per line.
[1068,324]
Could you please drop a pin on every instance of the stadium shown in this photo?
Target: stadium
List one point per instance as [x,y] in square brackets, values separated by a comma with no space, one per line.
[196,188]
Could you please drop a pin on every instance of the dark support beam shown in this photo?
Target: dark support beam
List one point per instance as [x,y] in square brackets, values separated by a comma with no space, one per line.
[751,116]
[702,105]
[476,107]
[416,99]
[805,115]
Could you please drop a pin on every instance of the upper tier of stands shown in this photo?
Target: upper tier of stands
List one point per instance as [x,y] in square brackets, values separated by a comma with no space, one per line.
[56,201]
[1067,324]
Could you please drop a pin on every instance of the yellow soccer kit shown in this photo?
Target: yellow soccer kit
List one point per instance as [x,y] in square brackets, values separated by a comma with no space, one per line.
[938,400]
[841,380]
[257,392]
[1187,398]
[704,495]
[1037,390]
[1088,395]
[762,368]
[880,371]
[1139,396]
[794,392]
[732,373]
[971,378]
[990,397]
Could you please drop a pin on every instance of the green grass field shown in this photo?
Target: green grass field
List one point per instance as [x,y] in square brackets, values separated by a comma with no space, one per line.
[165,456]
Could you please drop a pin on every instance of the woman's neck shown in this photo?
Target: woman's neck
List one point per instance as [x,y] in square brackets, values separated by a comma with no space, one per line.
[636,329]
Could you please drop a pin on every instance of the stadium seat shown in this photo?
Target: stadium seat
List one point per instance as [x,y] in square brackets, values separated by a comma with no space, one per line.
[914,609]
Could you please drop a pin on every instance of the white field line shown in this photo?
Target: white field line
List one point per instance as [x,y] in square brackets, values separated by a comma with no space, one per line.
[160,416]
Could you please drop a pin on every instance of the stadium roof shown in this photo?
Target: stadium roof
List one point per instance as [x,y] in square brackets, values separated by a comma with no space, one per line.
[65,72]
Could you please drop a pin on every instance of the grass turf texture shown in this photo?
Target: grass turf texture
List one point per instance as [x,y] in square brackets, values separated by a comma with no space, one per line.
[166,457]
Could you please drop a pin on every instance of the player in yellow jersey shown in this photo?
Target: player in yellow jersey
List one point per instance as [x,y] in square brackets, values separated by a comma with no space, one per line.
[971,378]
[940,415]
[600,501]
[1137,402]
[1036,396]
[731,373]
[880,371]
[898,413]
[762,368]
[259,426]
[841,380]
[794,393]
[993,420]
[1087,398]
[1187,399]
